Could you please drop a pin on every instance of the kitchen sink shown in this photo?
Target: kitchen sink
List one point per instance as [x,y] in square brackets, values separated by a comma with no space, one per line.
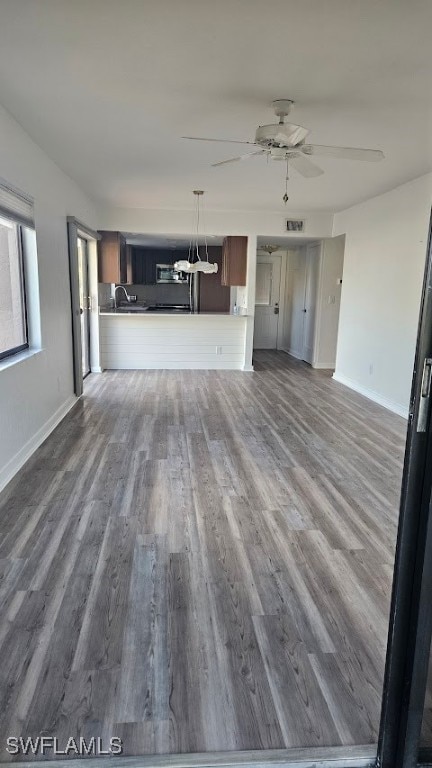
[169,308]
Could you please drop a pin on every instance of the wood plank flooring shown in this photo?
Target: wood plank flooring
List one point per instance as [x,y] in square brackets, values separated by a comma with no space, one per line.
[199,561]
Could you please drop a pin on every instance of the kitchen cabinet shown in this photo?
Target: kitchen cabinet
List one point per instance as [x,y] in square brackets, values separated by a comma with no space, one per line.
[114,258]
[213,296]
[139,266]
[151,259]
[234,260]
[144,263]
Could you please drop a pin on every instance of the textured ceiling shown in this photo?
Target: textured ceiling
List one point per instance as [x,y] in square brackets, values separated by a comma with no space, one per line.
[107,89]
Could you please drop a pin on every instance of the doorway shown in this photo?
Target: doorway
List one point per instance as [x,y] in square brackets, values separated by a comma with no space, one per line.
[267,301]
[311,301]
[83,271]
[85,303]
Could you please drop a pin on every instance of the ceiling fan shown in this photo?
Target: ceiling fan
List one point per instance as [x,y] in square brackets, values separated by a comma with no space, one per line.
[286,141]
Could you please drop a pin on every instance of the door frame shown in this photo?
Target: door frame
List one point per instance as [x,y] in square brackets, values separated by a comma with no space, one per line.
[76,229]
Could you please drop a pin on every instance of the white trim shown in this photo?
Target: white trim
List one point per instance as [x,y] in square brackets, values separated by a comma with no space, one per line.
[19,357]
[20,458]
[95,362]
[323,366]
[249,298]
[248,368]
[391,405]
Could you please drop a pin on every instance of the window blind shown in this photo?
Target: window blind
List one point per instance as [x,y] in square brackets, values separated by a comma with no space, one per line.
[16,205]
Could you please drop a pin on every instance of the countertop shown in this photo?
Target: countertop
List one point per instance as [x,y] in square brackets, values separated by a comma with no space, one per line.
[143,312]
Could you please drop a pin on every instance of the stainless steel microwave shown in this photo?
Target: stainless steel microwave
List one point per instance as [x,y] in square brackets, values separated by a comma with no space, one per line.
[165,273]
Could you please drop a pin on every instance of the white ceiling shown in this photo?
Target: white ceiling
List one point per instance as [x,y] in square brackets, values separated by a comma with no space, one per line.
[170,241]
[175,241]
[107,89]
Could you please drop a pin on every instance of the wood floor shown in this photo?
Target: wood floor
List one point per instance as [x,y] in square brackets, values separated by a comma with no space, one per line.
[201,560]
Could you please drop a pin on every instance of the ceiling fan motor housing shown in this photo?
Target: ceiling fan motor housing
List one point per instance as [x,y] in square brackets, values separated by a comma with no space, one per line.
[280,135]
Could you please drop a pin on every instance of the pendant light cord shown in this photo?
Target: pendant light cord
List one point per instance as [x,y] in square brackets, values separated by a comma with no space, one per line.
[197,228]
[205,236]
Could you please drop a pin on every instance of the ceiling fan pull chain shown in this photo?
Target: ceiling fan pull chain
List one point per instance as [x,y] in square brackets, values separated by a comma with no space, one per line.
[285,197]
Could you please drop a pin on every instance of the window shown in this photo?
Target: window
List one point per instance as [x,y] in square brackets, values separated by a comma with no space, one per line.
[13,319]
[264,273]
[16,229]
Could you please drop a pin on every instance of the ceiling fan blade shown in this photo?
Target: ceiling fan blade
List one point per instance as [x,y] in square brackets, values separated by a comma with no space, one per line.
[343,153]
[304,166]
[224,141]
[241,157]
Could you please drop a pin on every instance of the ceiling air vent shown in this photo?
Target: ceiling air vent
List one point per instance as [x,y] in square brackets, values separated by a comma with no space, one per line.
[295,225]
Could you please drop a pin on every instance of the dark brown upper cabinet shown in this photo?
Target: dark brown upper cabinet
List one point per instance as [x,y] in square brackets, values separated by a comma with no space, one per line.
[213,296]
[114,258]
[234,260]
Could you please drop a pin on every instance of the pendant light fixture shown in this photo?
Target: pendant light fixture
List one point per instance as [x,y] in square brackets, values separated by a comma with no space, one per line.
[270,248]
[194,263]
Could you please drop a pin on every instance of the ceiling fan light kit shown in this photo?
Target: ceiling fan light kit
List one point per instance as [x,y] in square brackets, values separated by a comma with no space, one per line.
[286,141]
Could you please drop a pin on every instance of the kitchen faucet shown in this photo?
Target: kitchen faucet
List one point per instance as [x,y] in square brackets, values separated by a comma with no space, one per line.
[129,297]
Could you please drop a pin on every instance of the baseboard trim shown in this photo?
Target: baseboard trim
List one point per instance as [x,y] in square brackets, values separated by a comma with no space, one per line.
[8,472]
[248,368]
[391,405]
[324,366]
[306,757]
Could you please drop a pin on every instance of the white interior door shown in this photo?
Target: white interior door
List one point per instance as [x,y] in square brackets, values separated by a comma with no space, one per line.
[267,297]
[296,303]
[310,302]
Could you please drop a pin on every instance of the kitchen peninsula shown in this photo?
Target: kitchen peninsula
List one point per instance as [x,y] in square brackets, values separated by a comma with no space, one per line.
[169,340]
[147,319]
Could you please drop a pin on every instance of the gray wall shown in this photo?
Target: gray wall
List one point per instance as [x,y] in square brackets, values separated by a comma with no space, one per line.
[160,293]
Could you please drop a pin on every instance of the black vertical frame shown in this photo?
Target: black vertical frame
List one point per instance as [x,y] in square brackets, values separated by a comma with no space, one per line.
[75,306]
[411,615]
[76,229]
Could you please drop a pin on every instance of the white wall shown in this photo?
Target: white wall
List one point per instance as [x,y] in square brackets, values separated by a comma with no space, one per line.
[37,391]
[214,222]
[386,240]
